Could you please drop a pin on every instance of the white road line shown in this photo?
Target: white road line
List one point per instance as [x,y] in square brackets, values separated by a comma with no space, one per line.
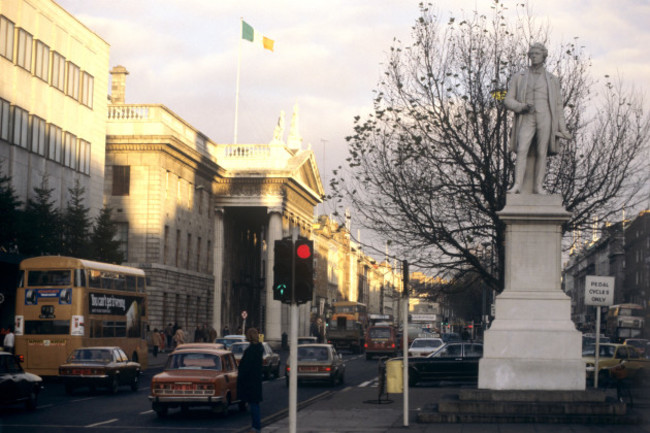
[347,388]
[146,412]
[82,399]
[364,384]
[101,423]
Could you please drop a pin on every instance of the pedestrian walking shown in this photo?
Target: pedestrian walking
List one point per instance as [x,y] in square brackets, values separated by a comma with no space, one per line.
[169,335]
[155,341]
[249,378]
[179,336]
[198,334]
[225,331]
[9,341]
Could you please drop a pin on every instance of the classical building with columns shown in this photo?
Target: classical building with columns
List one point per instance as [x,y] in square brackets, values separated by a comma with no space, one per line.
[201,218]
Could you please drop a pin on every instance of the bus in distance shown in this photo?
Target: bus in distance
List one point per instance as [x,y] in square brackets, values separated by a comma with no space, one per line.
[625,321]
[64,303]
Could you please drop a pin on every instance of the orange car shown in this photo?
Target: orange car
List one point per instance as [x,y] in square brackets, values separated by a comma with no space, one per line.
[196,376]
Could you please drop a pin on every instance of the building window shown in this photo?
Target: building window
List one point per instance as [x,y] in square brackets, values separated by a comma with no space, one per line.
[58,71]
[5,113]
[189,248]
[83,156]
[72,88]
[200,200]
[122,236]
[166,245]
[69,150]
[54,143]
[24,52]
[198,254]
[20,127]
[6,38]
[42,61]
[38,136]
[178,247]
[121,179]
[87,81]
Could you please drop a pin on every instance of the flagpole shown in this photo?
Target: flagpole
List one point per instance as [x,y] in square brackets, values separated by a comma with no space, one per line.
[241,29]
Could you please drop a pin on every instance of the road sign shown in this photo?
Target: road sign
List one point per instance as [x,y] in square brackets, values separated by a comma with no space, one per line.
[599,291]
[244,314]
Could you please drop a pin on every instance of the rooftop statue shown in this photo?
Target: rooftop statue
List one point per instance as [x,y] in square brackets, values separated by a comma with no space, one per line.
[534,96]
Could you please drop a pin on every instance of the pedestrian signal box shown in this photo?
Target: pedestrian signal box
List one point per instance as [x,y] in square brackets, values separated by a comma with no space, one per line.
[282,270]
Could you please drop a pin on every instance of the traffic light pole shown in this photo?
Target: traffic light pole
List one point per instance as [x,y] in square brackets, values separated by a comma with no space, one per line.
[405,336]
[293,343]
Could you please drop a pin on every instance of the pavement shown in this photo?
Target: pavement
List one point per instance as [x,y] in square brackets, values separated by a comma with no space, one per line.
[358,410]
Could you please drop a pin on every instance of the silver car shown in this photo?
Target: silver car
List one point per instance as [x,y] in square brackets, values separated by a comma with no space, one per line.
[318,362]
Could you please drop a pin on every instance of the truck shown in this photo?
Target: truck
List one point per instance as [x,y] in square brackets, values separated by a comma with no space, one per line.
[346,334]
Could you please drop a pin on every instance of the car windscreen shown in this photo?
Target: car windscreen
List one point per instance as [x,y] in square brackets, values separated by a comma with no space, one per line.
[193,361]
[449,351]
[313,354]
[238,348]
[379,333]
[605,351]
[103,356]
[426,343]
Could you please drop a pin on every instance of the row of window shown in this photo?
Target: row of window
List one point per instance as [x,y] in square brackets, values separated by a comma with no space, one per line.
[19,46]
[34,134]
[190,247]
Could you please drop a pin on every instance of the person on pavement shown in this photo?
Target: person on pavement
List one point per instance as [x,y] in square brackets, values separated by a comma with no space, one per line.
[249,378]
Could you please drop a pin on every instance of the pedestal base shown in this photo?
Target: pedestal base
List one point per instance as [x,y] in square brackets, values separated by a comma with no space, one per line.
[532,344]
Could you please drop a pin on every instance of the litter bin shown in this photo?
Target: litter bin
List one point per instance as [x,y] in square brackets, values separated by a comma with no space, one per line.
[395,376]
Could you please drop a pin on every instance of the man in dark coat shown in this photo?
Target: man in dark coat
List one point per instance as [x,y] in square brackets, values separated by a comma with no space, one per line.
[249,379]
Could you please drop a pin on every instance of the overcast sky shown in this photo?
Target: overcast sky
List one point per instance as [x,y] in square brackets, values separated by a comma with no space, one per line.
[328,56]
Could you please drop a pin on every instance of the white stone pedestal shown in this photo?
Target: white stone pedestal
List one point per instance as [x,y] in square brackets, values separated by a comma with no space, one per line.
[532,343]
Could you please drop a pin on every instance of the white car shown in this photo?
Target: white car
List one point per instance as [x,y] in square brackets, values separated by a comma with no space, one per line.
[425,346]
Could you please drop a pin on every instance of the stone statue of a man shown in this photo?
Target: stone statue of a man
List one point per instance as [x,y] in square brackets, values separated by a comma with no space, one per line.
[534,95]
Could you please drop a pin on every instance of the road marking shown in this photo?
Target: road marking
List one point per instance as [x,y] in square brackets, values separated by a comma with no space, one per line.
[364,384]
[82,399]
[101,423]
[44,406]
[146,412]
[347,388]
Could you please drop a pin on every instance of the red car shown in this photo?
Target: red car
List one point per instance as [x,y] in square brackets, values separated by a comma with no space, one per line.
[194,377]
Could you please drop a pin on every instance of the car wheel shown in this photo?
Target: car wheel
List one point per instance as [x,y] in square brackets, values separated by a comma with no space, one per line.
[287,380]
[342,378]
[267,373]
[115,384]
[160,410]
[31,400]
[136,382]
[277,371]
[225,408]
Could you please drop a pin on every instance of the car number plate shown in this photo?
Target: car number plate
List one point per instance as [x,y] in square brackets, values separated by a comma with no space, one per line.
[81,371]
[308,369]
[182,387]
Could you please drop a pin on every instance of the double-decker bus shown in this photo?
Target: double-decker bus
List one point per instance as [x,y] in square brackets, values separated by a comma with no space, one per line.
[63,303]
[625,321]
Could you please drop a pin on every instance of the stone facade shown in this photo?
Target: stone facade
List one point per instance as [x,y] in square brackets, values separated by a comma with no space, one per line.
[52,102]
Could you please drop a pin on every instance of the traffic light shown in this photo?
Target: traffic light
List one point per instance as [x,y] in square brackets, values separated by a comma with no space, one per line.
[282,271]
[304,281]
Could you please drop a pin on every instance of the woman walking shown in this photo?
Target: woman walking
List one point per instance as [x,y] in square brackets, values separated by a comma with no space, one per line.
[249,379]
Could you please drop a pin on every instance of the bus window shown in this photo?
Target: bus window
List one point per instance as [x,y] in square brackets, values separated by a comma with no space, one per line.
[131,283]
[55,327]
[48,278]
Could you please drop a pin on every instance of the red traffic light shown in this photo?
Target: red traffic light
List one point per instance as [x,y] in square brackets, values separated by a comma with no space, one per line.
[303,251]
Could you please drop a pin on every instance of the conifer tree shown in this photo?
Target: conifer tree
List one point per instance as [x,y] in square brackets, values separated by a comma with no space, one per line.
[75,225]
[104,247]
[40,233]
[9,214]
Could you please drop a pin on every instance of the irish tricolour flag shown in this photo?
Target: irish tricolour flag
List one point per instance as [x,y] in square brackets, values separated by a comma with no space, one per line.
[250,34]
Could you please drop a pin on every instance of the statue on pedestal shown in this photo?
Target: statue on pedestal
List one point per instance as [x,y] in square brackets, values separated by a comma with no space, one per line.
[534,95]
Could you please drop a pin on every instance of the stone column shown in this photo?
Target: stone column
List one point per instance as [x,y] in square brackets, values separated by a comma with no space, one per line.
[272,326]
[217,268]
[532,343]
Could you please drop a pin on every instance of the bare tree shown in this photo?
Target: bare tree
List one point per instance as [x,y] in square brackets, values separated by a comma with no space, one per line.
[429,168]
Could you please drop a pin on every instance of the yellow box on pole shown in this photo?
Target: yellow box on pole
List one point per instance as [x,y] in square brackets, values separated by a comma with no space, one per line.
[395,376]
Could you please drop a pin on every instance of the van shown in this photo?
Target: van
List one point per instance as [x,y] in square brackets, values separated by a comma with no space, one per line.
[381,340]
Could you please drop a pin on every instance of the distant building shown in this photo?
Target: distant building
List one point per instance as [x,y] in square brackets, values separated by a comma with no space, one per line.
[621,251]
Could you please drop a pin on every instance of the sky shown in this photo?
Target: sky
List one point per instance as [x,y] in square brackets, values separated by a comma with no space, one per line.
[328,56]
